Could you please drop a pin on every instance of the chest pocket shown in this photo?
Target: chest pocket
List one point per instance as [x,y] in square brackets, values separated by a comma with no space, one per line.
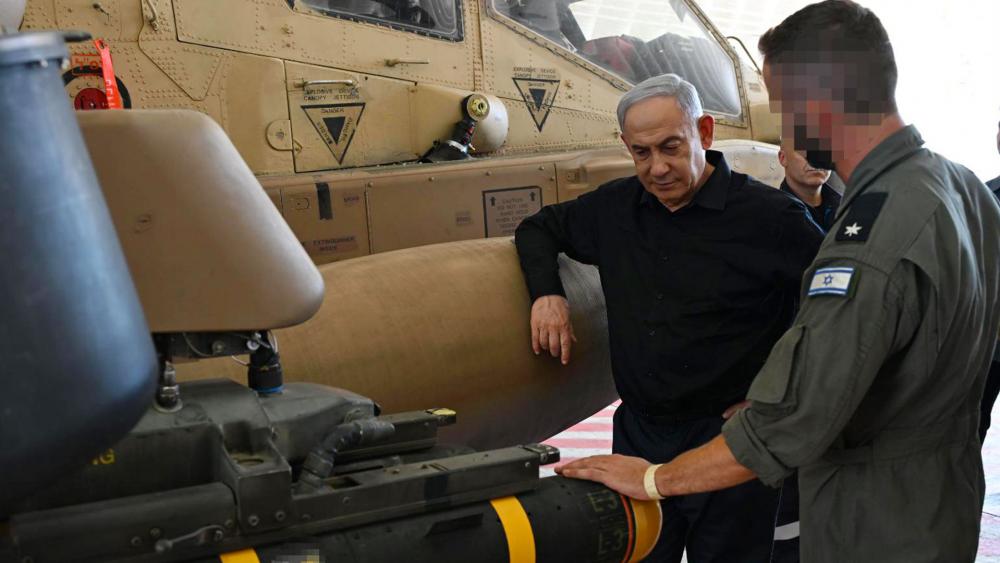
[772,384]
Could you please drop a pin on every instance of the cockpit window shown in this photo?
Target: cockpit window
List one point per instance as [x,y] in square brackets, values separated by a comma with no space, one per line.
[437,18]
[636,39]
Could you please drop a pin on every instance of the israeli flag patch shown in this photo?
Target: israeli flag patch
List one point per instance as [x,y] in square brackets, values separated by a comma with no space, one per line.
[831,281]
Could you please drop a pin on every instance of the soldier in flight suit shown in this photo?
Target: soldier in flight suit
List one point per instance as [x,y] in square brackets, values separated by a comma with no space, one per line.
[873,394]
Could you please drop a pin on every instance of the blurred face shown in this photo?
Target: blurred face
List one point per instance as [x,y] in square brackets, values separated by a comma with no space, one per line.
[808,117]
[668,149]
[798,171]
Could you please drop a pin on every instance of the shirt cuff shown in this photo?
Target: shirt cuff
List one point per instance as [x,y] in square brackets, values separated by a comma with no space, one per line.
[751,452]
[540,285]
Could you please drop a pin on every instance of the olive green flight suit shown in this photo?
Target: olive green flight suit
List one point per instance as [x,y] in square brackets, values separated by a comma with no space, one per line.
[873,393]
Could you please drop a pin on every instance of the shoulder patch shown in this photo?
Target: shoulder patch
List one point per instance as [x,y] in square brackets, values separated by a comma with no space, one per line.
[831,281]
[860,220]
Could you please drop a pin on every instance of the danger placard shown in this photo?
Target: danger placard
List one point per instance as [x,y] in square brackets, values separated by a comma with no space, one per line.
[503,210]
[336,125]
[539,95]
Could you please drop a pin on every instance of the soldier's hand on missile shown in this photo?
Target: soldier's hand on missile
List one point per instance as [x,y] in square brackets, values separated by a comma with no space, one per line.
[620,473]
[728,413]
[551,328]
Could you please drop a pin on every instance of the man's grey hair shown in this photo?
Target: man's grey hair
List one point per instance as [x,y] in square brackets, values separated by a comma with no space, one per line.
[666,85]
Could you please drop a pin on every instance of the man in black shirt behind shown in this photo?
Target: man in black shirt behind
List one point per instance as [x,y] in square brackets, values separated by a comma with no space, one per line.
[808,185]
[700,268]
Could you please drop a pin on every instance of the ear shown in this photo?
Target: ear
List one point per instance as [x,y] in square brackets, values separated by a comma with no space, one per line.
[706,130]
[782,159]
[628,147]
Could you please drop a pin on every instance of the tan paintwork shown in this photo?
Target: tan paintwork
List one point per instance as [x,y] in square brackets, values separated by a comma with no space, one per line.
[447,326]
[766,125]
[205,247]
[264,70]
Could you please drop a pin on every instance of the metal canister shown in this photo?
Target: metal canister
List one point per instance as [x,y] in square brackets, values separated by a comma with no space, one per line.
[77,362]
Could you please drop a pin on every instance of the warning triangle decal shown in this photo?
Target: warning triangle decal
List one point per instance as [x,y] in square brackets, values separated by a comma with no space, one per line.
[336,125]
[539,94]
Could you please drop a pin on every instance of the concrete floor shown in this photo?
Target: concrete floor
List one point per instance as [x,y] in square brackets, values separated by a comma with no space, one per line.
[593,437]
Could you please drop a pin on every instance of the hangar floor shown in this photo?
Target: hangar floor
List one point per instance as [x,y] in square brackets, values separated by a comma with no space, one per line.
[593,436]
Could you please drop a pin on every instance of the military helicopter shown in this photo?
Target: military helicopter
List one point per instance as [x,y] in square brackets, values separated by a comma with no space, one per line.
[376,126]
[333,103]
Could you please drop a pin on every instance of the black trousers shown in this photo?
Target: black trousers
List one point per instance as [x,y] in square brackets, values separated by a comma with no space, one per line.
[731,526]
[786,533]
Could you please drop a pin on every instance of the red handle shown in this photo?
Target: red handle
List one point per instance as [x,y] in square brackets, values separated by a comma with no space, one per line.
[108,70]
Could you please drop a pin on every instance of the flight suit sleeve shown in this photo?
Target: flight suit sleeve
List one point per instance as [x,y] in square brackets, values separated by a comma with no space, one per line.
[820,370]
[570,227]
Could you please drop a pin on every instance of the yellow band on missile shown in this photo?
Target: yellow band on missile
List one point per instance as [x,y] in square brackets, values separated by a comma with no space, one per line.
[245,556]
[648,521]
[517,527]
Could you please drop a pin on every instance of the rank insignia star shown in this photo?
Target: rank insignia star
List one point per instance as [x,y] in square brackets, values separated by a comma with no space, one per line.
[859,223]
[853,230]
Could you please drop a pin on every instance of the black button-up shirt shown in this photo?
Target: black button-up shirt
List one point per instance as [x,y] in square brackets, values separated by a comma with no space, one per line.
[826,211]
[994,186]
[696,297]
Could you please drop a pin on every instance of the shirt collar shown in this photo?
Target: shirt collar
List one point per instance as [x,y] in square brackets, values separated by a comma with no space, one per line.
[714,193]
[828,194]
[894,149]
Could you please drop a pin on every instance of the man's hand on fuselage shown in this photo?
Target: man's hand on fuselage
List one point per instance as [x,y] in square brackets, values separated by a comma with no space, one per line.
[551,328]
[706,468]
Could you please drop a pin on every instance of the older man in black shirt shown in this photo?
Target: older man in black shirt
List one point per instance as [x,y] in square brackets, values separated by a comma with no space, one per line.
[701,268]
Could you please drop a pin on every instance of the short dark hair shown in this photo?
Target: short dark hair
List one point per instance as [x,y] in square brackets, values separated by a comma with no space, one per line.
[843,34]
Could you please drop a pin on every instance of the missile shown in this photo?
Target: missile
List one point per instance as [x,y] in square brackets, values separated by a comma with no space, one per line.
[448,325]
